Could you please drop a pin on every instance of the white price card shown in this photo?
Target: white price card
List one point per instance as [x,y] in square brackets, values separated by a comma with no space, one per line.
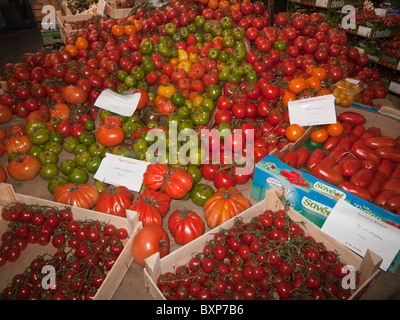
[321,3]
[313,111]
[100,7]
[364,31]
[123,104]
[359,232]
[121,171]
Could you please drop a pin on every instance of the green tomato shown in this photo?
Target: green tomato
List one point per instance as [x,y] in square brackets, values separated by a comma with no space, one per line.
[89,125]
[184,32]
[213,53]
[49,171]
[183,112]
[81,148]
[121,75]
[70,144]
[56,137]
[195,172]
[56,182]
[280,45]
[140,145]
[130,81]
[251,77]
[224,56]
[35,150]
[81,158]
[138,73]
[39,135]
[239,53]
[200,193]
[48,156]
[67,166]
[146,46]
[93,164]
[224,129]
[147,66]
[178,99]
[119,150]
[226,22]
[78,175]
[213,91]
[185,125]
[238,33]
[200,115]
[173,120]
[97,149]
[228,41]
[53,146]
[199,21]
[87,138]
[216,30]
[209,103]
[170,28]
[207,27]
[130,127]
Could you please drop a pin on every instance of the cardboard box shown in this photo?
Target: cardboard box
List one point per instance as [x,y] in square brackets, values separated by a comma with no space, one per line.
[368,266]
[316,198]
[114,276]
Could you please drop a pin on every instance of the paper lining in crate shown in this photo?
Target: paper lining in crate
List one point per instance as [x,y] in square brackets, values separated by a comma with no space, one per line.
[367,267]
[114,276]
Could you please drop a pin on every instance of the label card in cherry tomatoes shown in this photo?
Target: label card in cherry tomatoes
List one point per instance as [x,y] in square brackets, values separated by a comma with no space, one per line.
[313,111]
[121,171]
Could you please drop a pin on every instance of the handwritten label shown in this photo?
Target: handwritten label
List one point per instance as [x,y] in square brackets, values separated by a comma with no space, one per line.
[121,171]
[122,104]
[359,231]
[313,111]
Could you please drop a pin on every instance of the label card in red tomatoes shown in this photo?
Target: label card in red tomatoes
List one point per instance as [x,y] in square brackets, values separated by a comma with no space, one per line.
[313,111]
[121,171]
[123,104]
[360,231]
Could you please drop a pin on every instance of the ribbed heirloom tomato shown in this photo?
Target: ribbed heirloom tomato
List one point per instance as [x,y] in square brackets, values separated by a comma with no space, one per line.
[115,200]
[185,226]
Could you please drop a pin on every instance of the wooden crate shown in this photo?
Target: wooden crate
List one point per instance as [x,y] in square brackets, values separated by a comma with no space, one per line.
[114,276]
[368,267]
[64,22]
[115,12]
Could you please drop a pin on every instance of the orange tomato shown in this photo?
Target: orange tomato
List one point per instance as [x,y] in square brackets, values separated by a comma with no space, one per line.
[288,96]
[324,92]
[129,29]
[61,111]
[319,73]
[319,135]
[223,4]
[71,49]
[313,83]
[213,4]
[117,30]
[297,85]
[335,129]
[81,43]
[294,132]
[138,25]
[309,69]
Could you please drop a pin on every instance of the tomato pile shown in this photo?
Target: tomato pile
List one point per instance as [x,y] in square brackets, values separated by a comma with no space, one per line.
[391,46]
[389,20]
[269,257]
[86,251]
[357,159]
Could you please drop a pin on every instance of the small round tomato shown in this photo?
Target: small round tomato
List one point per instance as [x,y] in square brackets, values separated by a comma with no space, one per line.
[319,135]
[294,132]
[335,129]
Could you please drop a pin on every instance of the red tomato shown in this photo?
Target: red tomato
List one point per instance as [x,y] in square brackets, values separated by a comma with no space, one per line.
[75,95]
[23,167]
[110,135]
[148,241]
[185,226]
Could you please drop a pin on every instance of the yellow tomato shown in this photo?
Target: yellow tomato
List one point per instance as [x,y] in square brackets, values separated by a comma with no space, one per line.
[194,57]
[182,55]
[185,65]
[166,90]
[198,101]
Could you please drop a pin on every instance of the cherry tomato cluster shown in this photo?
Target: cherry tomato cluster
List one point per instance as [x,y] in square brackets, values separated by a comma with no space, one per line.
[360,160]
[391,46]
[86,251]
[269,257]
[364,15]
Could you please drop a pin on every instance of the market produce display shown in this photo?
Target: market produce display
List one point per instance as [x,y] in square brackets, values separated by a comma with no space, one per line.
[219,69]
